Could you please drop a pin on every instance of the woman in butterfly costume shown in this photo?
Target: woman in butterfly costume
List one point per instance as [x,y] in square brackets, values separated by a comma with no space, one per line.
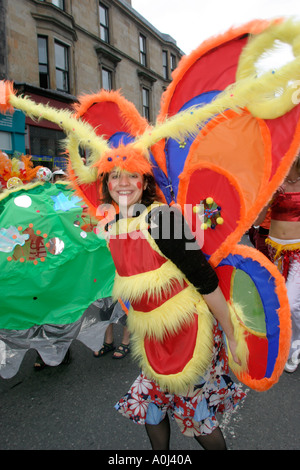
[197,154]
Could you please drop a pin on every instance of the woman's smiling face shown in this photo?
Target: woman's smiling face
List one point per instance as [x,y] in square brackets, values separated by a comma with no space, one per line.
[125,188]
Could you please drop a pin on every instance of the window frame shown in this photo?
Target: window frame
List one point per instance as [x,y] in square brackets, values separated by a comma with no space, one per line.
[165,64]
[110,78]
[146,106]
[61,5]
[63,70]
[173,61]
[104,27]
[6,138]
[143,50]
[46,64]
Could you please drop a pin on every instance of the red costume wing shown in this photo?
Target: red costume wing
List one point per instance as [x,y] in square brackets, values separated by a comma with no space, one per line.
[222,178]
[237,159]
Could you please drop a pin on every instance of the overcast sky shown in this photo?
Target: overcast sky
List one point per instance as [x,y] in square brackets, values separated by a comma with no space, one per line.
[190,22]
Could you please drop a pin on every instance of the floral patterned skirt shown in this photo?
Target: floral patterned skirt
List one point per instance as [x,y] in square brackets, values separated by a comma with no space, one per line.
[195,413]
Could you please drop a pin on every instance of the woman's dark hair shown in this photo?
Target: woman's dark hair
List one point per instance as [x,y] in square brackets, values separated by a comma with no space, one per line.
[150,194]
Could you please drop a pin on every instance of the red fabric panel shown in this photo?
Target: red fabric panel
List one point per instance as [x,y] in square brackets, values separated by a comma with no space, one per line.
[224,274]
[258,356]
[134,255]
[207,183]
[213,71]
[106,119]
[282,132]
[91,192]
[146,303]
[173,354]
[286,206]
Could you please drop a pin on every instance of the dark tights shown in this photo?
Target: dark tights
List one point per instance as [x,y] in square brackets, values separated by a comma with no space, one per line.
[159,435]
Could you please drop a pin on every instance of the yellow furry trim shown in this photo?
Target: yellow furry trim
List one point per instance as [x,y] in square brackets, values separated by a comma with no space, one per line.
[132,224]
[240,333]
[167,318]
[277,87]
[79,133]
[151,282]
[25,187]
[127,226]
[180,383]
[85,174]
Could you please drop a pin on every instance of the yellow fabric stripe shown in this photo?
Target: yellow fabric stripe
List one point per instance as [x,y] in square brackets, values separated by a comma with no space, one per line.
[282,247]
[152,282]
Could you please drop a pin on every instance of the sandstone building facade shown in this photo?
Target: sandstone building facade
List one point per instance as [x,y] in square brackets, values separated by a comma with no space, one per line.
[56,50]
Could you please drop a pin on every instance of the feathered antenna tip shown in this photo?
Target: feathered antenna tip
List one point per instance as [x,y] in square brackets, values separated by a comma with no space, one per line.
[6,90]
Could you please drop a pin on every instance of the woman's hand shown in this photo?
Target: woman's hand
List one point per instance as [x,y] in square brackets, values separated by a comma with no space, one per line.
[219,308]
[232,344]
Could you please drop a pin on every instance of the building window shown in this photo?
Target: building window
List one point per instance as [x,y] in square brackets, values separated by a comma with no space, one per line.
[104,26]
[59,3]
[173,62]
[45,145]
[5,141]
[106,79]
[43,62]
[143,52]
[146,105]
[62,67]
[165,65]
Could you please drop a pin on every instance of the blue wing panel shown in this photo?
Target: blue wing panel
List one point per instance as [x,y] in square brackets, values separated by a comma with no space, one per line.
[120,138]
[176,153]
[265,285]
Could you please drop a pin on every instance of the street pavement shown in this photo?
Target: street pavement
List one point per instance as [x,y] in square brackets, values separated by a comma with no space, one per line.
[71,407]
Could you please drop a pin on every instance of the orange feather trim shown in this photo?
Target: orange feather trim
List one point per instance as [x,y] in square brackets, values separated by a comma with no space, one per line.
[6,90]
[126,158]
[134,121]
[30,170]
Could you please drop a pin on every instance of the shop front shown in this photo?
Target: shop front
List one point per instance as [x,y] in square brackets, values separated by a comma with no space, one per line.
[12,133]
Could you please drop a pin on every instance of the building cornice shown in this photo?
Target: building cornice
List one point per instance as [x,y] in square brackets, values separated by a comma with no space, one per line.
[27,88]
[40,18]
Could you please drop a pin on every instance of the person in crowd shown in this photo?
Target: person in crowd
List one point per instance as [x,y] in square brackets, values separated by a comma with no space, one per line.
[284,248]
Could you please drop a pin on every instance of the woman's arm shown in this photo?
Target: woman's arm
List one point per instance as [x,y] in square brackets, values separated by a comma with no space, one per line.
[173,237]
[261,217]
[218,306]
[194,266]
